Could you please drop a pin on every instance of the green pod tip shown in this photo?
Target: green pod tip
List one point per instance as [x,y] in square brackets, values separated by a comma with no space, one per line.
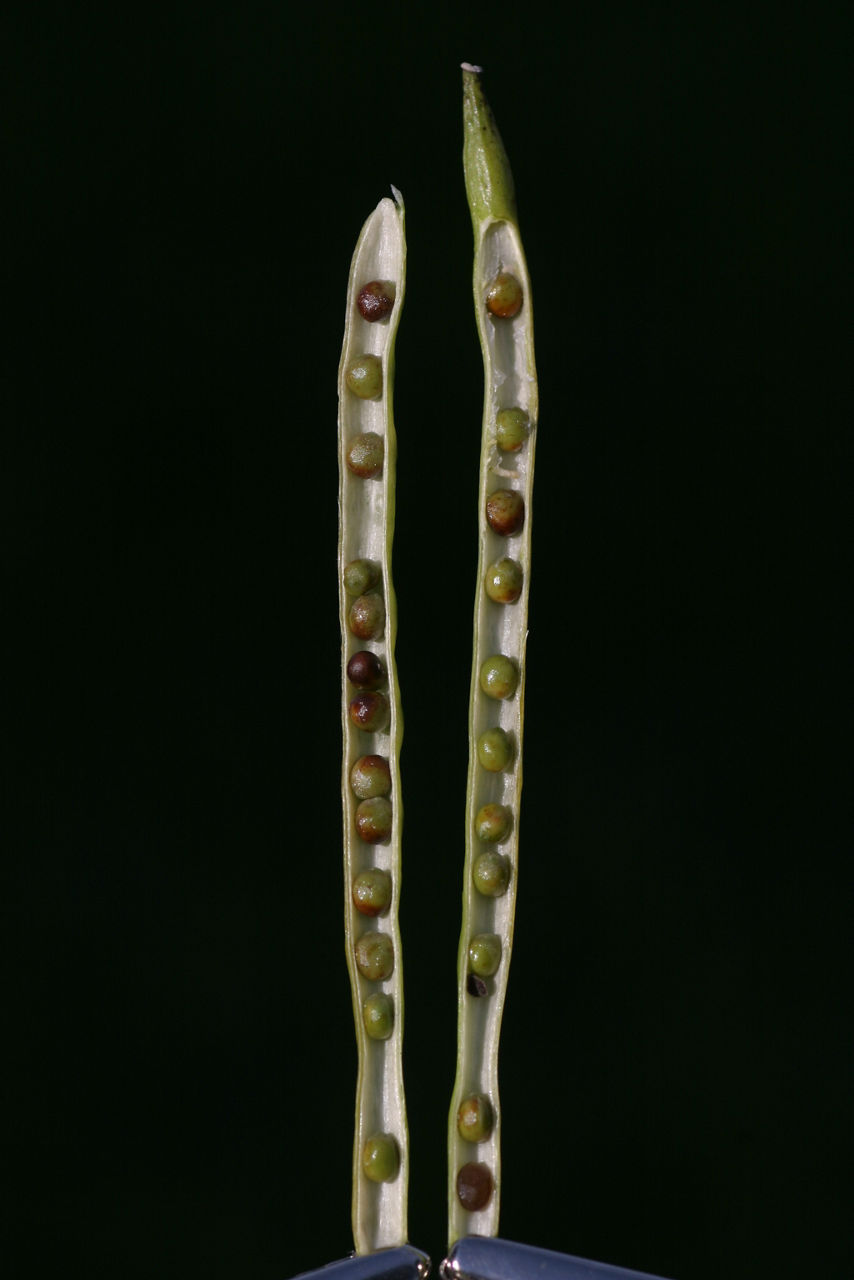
[489,182]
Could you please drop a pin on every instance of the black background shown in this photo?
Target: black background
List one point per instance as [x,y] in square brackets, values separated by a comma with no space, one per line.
[186,187]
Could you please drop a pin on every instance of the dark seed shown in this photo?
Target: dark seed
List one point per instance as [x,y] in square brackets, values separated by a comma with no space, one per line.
[476,986]
[505,511]
[370,711]
[365,670]
[376,300]
[474,1186]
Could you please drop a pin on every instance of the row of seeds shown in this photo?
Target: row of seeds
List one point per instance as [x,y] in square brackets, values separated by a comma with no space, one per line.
[372,727]
[504,319]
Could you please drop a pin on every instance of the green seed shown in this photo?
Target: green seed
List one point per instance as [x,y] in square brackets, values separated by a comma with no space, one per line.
[365,670]
[503,581]
[474,1186]
[370,712]
[365,455]
[366,618]
[372,892]
[505,511]
[380,1158]
[364,377]
[499,676]
[504,296]
[360,576]
[493,823]
[491,874]
[494,750]
[475,1118]
[373,820]
[378,1016]
[370,776]
[375,956]
[485,954]
[512,428]
[376,300]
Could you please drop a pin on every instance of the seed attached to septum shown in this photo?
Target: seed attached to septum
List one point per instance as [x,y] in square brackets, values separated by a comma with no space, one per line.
[366,618]
[485,954]
[360,576]
[372,892]
[378,1016]
[370,776]
[365,455]
[370,712]
[493,823]
[512,428]
[365,670]
[504,296]
[499,676]
[503,581]
[494,750]
[376,300]
[505,512]
[380,1158]
[476,986]
[474,1186]
[475,1118]
[375,956]
[373,820]
[364,377]
[491,874]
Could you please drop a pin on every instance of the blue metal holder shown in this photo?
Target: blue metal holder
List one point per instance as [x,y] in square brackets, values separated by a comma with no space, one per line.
[487,1258]
[403,1263]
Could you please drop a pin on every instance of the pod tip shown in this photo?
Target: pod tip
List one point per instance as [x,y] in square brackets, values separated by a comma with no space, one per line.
[469,66]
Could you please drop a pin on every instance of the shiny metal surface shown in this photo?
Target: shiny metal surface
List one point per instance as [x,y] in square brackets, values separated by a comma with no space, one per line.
[488,1258]
[403,1263]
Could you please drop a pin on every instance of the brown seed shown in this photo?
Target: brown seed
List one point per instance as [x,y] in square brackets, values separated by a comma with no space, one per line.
[505,511]
[376,300]
[504,296]
[365,455]
[373,820]
[474,1186]
[370,776]
[370,712]
[366,618]
[365,670]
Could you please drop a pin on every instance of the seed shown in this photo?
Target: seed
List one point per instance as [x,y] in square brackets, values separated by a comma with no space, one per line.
[476,986]
[494,750]
[370,776]
[491,874]
[373,820]
[375,956]
[365,455]
[365,670]
[505,511]
[380,1158]
[360,576]
[485,954]
[504,296]
[376,300]
[474,1186]
[512,428]
[493,823]
[503,581]
[366,618]
[378,1016]
[475,1118]
[372,892]
[499,676]
[364,377]
[370,711]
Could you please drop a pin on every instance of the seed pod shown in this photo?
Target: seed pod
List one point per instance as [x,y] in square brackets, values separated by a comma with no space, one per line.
[372,892]
[505,511]
[366,618]
[370,776]
[364,377]
[499,676]
[474,1186]
[367,455]
[512,428]
[494,750]
[475,1118]
[504,581]
[375,956]
[376,300]
[485,954]
[493,823]
[373,820]
[365,670]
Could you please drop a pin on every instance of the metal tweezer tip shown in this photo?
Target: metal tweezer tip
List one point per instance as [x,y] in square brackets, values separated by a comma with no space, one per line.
[402,1263]
[486,1258]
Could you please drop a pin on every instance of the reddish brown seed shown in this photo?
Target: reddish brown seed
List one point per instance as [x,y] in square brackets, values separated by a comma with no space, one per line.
[365,670]
[504,296]
[366,618]
[474,1186]
[376,300]
[373,820]
[370,712]
[365,455]
[505,511]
